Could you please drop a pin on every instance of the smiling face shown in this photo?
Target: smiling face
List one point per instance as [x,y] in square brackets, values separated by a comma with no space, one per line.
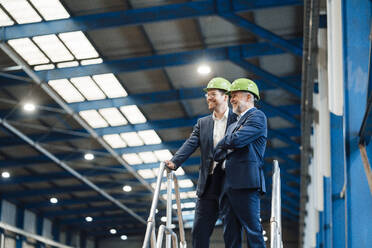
[215,98]
[240,101]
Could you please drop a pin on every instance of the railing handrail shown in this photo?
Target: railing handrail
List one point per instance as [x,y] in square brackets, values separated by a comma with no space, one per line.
[276,220]
[150,236]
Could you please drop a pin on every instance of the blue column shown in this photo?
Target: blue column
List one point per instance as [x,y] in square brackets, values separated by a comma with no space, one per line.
[20,217]
[337,175]
[56,231]
[39,230]
[356,30]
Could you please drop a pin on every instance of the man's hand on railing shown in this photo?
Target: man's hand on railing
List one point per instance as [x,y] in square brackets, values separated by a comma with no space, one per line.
[169,165]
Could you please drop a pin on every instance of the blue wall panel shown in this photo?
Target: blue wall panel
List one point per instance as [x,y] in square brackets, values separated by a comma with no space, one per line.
[356,31]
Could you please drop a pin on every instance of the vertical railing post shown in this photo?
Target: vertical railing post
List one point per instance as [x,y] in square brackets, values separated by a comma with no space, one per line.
[276,221]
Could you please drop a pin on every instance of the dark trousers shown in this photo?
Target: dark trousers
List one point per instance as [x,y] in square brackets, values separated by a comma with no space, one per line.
[241,210]
[207,211]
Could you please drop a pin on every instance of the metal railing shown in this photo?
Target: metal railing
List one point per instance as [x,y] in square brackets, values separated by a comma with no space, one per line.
[171,236]
[276,219]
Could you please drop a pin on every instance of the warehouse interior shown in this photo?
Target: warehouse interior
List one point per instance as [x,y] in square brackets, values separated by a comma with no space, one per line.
[94,94]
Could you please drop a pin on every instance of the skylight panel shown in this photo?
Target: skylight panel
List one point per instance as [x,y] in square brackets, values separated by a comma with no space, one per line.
[113,116]
[163,155]
[110,85]
[29,51]
[91,61]
[93,118]
[88,88]
[165,196]
[191,194]
[5,19]
[146,173]
[156,172]
[79,45]
[50,9]
[43,67]
[65,89]
[185,183]
[21,11]
[114,140]
[162,185]
[133,114]
[132,139]
[53,47]
[180,172]
[150,137]
[148,157]
[188,205]
[67,64]
[133,159]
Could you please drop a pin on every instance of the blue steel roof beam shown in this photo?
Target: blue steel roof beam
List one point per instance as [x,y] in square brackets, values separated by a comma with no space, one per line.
[267,77]
[83,200]
[261,32]
[159,61]
[282,134]
[73,172]
[135,17]
[154,97]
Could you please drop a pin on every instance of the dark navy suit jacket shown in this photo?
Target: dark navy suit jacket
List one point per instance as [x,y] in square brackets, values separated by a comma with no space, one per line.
[202,135]
[243,147]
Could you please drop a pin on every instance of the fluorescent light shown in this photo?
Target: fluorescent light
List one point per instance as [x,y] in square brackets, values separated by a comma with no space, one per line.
[29,107]
[148,157]
[127,188]
[110,85]
[146,173]
[150,137]
[28,51]
[188,205]
[79,45]
[183,195]
[21,11]
[43,67]
[67,64]
[190,212]
[89,156]
[88,88]
[88,219]
[53,47]
[113,116]
[123,237]
[163,219]
[180,172]
[165,196]
[191,194]
[204,69]
[132,158]
[265,238]
[65,89]
[113,231]
[162,185]
[91,61]
[94,119]
[53,200]
[5,174]
[185,183]
[50,9]
[263,232]
[114,140]
[132,139]
[163,155]
[4,19]
[133,114]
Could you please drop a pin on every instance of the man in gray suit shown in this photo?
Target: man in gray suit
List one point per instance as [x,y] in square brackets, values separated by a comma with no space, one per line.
[208,131]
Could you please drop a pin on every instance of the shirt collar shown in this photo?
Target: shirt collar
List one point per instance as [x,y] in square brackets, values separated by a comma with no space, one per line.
[225,115]
[242,114]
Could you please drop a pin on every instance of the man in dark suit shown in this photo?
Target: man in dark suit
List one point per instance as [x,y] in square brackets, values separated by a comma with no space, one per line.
[242,150]
[206,134]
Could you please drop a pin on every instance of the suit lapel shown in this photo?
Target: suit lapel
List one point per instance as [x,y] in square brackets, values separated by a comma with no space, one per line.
[210,126]
[244,118]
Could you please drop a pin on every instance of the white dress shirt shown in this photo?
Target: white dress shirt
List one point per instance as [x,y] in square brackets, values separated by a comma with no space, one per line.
[219,130]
